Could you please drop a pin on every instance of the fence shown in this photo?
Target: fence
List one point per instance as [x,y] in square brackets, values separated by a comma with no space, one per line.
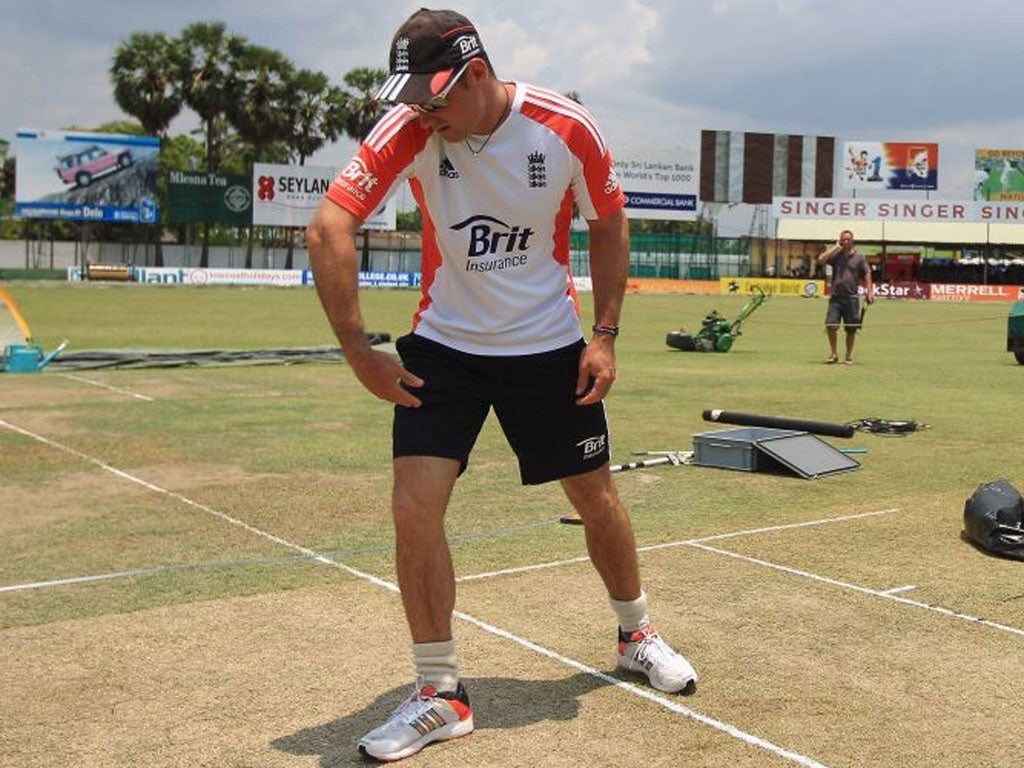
[666,256]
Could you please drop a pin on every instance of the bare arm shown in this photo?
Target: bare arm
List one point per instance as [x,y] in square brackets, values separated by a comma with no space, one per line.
[869,284]
[826,256]
[609,268]
[335,264]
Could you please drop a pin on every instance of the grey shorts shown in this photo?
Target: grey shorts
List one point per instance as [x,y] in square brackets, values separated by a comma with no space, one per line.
[533,397]
[845,308]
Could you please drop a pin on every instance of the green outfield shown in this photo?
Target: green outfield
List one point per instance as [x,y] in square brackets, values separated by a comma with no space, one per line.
[196,564]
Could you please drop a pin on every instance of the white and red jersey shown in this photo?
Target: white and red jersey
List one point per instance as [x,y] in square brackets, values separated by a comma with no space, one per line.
[496,275]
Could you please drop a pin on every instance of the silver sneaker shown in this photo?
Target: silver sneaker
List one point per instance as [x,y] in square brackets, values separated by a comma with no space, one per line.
[645,651]
[426,716]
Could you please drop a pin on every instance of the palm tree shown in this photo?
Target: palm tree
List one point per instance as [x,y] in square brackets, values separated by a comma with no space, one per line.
[363,108]
[206,76]
[145,87]
[258,108]
[316,112]
[316,115]
[363,113]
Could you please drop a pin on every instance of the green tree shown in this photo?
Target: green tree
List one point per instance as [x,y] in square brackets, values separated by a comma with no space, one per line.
[361,103]
[146,87]
[206,77]
[316,114]
[260,82]
[145,83]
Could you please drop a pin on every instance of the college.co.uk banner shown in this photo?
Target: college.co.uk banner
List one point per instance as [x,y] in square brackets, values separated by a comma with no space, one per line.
[958,211]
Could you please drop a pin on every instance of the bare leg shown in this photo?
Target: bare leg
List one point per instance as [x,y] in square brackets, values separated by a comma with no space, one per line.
[609,533]
[423,486]
[833,337]
[851,337]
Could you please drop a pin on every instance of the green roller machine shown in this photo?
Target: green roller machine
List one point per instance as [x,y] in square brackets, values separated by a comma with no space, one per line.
[1015,331]
[716,334]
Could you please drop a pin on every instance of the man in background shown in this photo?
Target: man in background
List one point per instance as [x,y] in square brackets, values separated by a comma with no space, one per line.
[850,270]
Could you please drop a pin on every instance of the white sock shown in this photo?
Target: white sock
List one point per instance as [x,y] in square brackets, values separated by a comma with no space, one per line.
[632,613]
[436,665]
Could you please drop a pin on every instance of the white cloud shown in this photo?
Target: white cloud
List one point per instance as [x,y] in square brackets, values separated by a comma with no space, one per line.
[653,71]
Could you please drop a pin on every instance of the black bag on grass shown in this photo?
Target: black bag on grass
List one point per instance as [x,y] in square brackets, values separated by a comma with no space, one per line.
[994,519]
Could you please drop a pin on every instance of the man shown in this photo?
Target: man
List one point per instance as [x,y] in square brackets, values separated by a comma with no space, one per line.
[495,167]
[849,270]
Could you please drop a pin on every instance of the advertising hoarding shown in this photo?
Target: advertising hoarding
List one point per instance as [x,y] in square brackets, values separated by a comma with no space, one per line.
[87,176]
[999,174]
[956,211]
[659,184]
[213,198]
[738,167]
[288,196]
[890,165]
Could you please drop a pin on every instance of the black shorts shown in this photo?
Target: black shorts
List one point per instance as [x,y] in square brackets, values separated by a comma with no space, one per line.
[533,397]
[845,308]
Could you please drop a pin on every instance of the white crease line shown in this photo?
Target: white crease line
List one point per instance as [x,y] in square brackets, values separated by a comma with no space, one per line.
[671,544]
[77,580]
[106,386]
[645,693]
[790,526]
[523,569]
[863,590]
[897,590]
[731,730]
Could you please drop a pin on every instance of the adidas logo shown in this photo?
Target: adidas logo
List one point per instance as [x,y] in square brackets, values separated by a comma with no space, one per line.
[447,170]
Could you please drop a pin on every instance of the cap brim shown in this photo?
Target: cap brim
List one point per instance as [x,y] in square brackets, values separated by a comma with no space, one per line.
[411,88]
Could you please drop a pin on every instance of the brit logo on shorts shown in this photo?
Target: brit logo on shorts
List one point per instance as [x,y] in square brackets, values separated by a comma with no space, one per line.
[592,446]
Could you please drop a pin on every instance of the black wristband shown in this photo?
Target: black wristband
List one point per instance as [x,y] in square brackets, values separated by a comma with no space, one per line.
[607,330]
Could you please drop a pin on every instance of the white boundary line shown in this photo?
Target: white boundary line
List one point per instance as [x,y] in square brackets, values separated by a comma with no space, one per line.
[731,730]
[106,386]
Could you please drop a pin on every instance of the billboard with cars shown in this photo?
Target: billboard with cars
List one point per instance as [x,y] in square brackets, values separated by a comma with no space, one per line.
[86,176]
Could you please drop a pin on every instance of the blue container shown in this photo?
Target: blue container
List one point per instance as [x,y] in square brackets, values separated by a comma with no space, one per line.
[19,358]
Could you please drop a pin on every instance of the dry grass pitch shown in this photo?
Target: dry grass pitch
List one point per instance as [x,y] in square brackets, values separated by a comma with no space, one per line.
[196,565]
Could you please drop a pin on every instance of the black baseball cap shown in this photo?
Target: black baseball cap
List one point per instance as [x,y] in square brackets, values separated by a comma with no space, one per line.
[428,50]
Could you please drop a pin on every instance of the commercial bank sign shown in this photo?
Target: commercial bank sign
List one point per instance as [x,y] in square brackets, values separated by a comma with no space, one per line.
[659,184]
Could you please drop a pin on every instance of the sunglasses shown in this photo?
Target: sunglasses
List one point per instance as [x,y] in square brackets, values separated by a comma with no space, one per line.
[439,101]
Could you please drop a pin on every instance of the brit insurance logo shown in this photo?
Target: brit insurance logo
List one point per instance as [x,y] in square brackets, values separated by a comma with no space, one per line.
[493,244]
[612,182]
[468,46]
[357,179]
[592,446]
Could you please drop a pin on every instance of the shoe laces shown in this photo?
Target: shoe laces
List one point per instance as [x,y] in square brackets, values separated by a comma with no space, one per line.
[649,645]
[421,700]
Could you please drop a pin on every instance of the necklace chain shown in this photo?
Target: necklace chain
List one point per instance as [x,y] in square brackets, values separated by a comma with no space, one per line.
[504,113]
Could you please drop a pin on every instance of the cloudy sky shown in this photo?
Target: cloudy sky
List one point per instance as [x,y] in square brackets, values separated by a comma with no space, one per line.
[654,72]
